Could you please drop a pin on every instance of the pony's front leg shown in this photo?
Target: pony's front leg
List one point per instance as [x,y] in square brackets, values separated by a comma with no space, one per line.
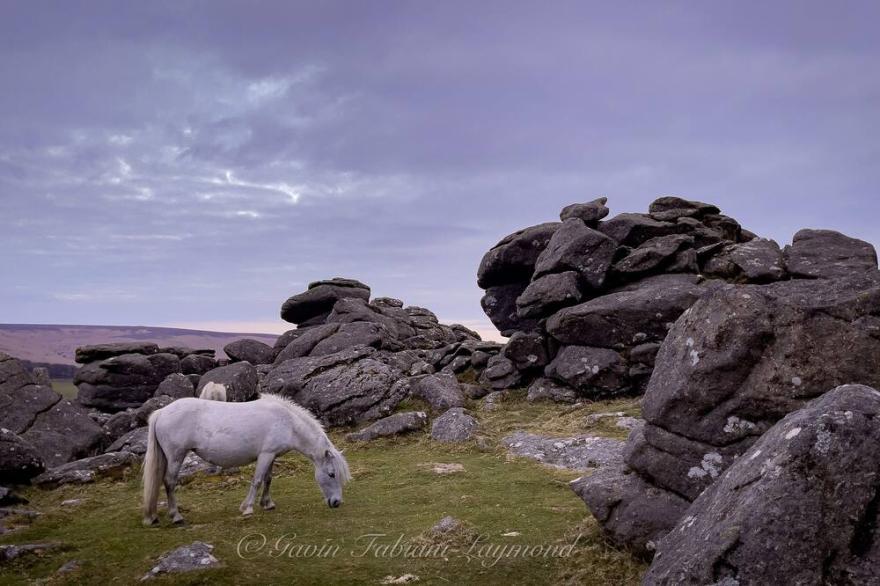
[266,501]
[264,462]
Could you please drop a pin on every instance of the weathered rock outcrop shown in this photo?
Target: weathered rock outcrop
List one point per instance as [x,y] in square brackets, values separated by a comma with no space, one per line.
[123,381]
[40,427]
[590,286]
[354,385]
[799,507]
[738,361]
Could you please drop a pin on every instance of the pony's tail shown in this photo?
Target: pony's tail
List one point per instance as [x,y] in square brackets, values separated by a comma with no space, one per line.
[154,470]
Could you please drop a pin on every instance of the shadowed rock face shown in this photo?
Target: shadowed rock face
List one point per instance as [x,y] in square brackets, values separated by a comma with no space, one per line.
[738,361]
[41,427]
[799,507]
[124,381]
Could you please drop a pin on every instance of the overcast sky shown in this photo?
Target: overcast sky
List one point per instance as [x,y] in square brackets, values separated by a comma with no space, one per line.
[195,163]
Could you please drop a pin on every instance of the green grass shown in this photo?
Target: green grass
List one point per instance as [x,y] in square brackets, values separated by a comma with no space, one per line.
[65,387]
[394,493]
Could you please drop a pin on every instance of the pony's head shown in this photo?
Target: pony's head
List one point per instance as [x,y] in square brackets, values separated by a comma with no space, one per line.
[331,474]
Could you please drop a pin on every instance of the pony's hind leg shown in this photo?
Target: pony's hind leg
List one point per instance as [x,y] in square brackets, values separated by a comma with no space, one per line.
[264,462]
[266,501]
[170,479]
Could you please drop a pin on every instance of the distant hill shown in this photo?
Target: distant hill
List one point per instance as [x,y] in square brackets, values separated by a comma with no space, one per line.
[56,344]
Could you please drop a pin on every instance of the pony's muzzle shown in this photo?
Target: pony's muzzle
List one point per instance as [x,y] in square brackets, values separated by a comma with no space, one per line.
[334,503]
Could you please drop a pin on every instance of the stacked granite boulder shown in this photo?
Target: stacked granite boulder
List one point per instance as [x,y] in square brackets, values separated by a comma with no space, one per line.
[351,359]
[587,301]
[120,376]
[750,354]
[38,428]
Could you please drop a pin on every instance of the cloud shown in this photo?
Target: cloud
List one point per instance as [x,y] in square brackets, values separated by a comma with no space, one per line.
[215,162]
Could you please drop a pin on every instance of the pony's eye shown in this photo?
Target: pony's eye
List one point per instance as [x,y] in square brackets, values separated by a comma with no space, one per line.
[332,475]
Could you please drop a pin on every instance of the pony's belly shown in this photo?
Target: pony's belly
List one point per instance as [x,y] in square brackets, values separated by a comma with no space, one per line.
[224,458]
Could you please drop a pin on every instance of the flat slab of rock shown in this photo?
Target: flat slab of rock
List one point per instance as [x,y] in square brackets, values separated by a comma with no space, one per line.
[187,558]
[456,425]
[396,424]
[110,465]
[582,452]
[647,307]
[93,353]
[13,552]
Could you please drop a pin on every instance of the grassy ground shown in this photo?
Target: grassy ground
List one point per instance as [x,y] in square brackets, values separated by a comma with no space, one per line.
[395,494]
[65,387]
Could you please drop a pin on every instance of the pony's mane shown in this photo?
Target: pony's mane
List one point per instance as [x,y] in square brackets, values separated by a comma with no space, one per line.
[295,408]
[304,414]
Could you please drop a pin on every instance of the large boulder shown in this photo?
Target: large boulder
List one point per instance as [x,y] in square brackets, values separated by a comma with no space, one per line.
[19,460]
[303,344]
[527,351]
[593,372]
[827,254]
[647,307]
[513,259]
[315,304]
[239,378]
[799,507]
[176,386]
[197,364]
[499,304]
[123,381]
[632,513]
[348,387]
[757,261]
[250,350]
[440,391]
[653,255]
[590,213]
[546,294]
[670,208]
[56,429]
[454,426]
[742,358]
[634,229]
[579,248]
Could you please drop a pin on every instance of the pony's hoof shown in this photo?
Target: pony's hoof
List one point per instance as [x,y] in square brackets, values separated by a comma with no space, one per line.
[247,512]
[179,521]
[268,506]
[151,522]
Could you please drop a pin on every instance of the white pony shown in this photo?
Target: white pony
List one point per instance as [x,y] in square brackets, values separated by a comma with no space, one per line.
[213,392]
[234,434]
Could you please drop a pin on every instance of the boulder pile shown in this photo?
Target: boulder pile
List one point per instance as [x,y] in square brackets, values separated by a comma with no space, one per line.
[120,376]
[38,428]
[352,359]
[587,302]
